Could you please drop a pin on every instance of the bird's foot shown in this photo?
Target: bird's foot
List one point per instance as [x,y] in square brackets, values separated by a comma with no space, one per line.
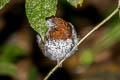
[59,64]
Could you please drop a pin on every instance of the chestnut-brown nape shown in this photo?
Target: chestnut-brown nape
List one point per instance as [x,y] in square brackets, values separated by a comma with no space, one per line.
[63,30]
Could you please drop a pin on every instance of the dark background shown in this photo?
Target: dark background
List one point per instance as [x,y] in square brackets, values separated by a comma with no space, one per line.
[31,64]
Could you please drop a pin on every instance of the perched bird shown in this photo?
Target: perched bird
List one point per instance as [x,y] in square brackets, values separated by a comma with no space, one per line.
[60,39]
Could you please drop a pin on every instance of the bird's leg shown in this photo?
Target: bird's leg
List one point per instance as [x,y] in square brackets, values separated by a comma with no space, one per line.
[40,43]
[58,63]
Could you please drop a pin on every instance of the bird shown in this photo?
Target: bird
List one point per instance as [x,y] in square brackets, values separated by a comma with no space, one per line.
[60,39]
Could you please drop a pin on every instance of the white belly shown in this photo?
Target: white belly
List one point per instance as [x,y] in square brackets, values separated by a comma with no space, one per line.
[57,49]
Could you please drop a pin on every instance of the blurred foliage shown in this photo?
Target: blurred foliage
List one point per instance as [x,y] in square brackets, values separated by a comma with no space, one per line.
[3,2]
[75,2]
[86,58]
[103,76]
[33,74]
[9,54]
[110,37]
[7,68]
[37,11]
[119,8]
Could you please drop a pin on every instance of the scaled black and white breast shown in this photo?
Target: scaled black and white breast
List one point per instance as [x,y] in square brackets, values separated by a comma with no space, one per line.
[60,39]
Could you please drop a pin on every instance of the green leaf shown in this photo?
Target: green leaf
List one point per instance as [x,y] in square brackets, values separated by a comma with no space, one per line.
[3,2]
[75,2]
[37,11]
[7,68]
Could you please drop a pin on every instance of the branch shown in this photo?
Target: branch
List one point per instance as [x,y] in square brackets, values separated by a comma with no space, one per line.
[88,34]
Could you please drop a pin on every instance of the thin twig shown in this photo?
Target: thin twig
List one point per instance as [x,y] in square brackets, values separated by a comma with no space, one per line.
[93,30]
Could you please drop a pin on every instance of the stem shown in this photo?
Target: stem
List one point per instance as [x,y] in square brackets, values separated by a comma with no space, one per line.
[54,69]
[93,30]
[98,26]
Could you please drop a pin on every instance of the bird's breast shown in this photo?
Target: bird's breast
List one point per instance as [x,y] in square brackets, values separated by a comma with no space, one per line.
[57,49]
